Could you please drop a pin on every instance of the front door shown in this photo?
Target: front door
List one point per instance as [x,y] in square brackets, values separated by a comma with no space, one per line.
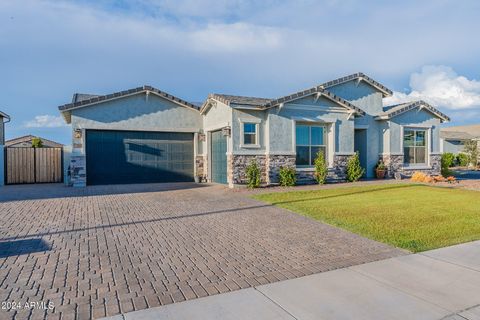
[361,146]
[219,157]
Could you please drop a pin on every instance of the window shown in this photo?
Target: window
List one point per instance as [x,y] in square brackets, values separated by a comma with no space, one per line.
[415,146]
[250,133]
[310,139]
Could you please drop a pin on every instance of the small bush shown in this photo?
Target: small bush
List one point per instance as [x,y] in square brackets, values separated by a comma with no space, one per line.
[287,177]
[321,169]
[253,175]
[354,170]
[446,162]
[448,159]
[463,160]
[421,177]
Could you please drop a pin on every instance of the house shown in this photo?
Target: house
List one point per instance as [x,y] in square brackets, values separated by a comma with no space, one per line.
[453,139]
[4,118]
[147,135]
[26,142]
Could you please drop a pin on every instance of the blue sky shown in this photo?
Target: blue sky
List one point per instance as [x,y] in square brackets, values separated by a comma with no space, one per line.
[52,49]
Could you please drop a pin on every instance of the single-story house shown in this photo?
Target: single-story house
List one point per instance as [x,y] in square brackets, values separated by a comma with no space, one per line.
[26,142]
[3,119]
[147,135]
[453,139]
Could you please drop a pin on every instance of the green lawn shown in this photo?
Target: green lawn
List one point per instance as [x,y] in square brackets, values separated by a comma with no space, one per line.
[409,216]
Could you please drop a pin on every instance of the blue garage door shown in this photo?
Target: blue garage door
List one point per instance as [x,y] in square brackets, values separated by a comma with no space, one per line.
[219,157]
[117,157]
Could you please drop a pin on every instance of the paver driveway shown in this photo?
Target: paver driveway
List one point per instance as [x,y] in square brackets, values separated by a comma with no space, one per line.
[111,249]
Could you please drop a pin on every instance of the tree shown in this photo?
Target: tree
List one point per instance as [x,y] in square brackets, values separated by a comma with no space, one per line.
[37,142]
[471,148]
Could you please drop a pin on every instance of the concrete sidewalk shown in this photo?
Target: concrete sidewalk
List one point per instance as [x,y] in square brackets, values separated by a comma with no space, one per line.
[438,284]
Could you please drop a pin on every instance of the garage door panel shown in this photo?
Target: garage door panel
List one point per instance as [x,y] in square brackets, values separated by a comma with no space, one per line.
[138,157]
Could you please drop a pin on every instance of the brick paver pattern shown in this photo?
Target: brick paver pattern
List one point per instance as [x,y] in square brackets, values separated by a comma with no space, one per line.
[106,250]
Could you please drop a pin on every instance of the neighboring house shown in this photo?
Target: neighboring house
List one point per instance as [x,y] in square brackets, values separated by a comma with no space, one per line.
[26,142]
[146,135]
[4,118]
[453,139]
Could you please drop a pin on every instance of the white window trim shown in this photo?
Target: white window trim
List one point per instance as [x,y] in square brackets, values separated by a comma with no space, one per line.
[428,130]
[256,122]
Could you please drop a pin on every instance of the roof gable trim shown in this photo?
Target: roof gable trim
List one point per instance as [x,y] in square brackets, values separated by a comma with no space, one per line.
[124,94]
[360,77]
[420,104]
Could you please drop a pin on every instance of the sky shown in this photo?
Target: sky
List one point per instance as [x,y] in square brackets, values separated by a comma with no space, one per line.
[51,49]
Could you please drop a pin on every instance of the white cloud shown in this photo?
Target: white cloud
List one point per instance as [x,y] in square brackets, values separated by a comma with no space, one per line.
[441,86]
[45,121]
[236,37]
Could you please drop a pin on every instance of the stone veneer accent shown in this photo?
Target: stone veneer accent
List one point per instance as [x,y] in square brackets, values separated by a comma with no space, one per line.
[274,163]
[394,164]
[200,167]
[237,165]
[337,172]
[78,172]
[270,167]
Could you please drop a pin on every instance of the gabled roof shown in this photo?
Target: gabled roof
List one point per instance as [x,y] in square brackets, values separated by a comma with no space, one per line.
[455,135]
[311,91]
[240,100]
[395,110]
[84,100]
[264,103]
[358,76]
[29,138]
[4,115]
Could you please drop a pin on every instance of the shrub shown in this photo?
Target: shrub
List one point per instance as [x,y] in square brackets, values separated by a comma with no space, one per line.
[446,162]
[471,149]
[448,159]
[354,170]
[321,169]
[420,177]
[253,175]
[287,177]
[37,142]
[463,159]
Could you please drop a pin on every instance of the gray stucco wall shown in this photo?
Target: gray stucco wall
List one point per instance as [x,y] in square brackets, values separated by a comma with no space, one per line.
[240,116]
[453,146]
[281,125]
[369,100]
[139,112]
[215,118]
[414,118]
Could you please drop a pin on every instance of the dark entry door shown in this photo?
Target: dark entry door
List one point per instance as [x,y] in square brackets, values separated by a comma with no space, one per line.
[115,157]
[219,157]
[361,146]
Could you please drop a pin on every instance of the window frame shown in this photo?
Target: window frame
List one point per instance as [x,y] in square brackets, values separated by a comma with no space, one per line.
[310,145]
[426,146]
[256,134]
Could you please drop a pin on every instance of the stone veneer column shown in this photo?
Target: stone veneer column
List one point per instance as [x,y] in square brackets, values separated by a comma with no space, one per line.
[201,167]
[78,169]
[339,171]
